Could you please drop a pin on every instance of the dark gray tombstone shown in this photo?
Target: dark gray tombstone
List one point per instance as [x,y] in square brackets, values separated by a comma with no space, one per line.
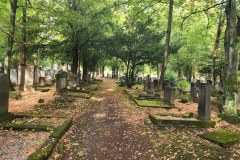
[155,84]
[150,87]
[4,93]
[204,101]
[1,69]
[193,90]
[61,80]
[166,83]
[209,82]
[170,94]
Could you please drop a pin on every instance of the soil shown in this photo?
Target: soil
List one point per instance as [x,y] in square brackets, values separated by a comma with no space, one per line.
[19,145]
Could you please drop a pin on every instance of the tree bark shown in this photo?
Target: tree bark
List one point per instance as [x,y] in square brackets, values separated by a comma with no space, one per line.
[75,58]
[230,112]
[168,36]
[216,46]
[24,46]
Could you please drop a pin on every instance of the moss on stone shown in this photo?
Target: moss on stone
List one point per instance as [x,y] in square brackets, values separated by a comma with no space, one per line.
[44,151]
[59,131]
[181,122]
[222,137]
[20,127]
[5,116]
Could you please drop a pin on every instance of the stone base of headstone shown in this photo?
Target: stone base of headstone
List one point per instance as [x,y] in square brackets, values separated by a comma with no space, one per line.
[147,96]
[204,101]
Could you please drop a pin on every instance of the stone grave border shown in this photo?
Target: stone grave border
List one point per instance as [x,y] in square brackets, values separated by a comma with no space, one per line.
[45,150]
[181,123]
[220,137]
[137,101]
[89,93]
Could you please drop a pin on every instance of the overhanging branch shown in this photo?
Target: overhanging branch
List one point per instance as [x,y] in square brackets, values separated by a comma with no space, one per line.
[199,11]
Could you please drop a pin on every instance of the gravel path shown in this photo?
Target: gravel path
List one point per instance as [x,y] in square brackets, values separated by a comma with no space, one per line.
[104,130]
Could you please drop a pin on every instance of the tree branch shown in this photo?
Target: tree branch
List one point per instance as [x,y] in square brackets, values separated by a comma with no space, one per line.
[199,11]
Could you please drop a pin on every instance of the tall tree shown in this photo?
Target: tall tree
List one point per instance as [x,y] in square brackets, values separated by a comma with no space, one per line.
[13,4]
[230,112]
[168,36]
[24,45]
[216,45]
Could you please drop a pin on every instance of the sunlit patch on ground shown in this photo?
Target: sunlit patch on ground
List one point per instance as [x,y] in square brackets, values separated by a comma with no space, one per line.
[110,90]
[99,115]
[97,99]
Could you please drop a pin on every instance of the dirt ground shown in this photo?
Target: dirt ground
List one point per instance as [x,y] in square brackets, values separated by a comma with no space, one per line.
[29,100]
[111,126]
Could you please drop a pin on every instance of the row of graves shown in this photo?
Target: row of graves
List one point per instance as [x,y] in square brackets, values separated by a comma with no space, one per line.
[19,129]
[199,92]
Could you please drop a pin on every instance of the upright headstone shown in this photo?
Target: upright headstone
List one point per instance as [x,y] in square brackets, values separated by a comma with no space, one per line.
[14,76]
[150,87]
[42,79]
[29,76]
[193,90]
[48,80]
[204,102]
[4,93]
[36,76]
[1,69]
[61,80]
[155,84]
[170,94]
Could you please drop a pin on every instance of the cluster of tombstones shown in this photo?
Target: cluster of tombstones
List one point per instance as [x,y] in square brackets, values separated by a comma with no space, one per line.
[199,90]
[34,77]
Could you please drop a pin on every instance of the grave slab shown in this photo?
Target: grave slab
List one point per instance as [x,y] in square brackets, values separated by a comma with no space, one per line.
[223,138]
[164,121]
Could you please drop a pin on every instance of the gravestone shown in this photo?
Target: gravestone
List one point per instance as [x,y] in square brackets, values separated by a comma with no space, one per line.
[48,80]
[4,93]
[1,69]
[193,90]
[61,80]
[42,78]
[155,83]
[146,82]
[150,87]
[29,76]
[166,83]
[170,94]
[204,102]
[14,76]
[36,75]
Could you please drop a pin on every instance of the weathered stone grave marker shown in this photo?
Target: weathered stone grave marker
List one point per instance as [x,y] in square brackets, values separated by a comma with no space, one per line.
[29,76]
[42,79]
[4,93]
[170,94]
[193,90]
[61,80]
[14,76]
[204,102]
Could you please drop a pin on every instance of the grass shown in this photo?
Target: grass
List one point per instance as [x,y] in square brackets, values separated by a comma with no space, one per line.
[222,137]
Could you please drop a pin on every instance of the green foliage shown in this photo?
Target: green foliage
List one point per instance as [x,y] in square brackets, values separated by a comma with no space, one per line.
[183,84]
[170,76]
[230,115]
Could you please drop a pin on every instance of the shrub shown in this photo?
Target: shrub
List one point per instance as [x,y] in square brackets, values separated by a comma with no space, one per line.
[183,84]
[171,76]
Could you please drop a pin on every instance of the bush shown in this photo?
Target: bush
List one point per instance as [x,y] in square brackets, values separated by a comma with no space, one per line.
[183,84]
[171,76]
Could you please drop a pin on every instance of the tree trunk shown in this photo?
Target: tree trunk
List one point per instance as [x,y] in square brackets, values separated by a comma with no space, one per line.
[8,54]
[75,58]
[103,68]
[24,46]
[230,112]
[168,36]
[216,46]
